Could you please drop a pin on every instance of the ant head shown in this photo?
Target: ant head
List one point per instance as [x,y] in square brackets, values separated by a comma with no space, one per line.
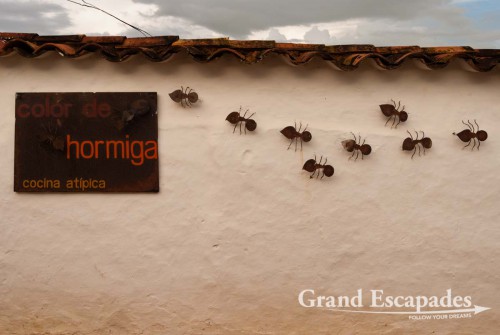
[309,165]
[306,136]
[328,170]
[426,142]
[482,135]
[403,116]
[408,144]
[233,117]
[349,145]
[250,125]
[193,97]
[465,135]
[365,149]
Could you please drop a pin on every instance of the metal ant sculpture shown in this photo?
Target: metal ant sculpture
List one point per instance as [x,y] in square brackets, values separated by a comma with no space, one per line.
[354,147]
[184,96]
[292,133]
[137,109]
[51,137]
[411,144]
[471,135]
[312,166]
[393,110]
[235,118]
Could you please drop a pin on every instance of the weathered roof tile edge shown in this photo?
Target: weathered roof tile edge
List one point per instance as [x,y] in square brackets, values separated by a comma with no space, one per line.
[161,48]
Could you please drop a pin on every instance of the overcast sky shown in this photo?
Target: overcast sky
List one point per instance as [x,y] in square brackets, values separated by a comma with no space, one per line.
[474,23]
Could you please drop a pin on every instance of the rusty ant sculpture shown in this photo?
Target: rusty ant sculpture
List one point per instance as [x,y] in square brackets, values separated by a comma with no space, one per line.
[235,118]
[393,110]
[354,147]
[51,137]
[411,144]
[312,166]
[471,135]
[185,97]
[292,133]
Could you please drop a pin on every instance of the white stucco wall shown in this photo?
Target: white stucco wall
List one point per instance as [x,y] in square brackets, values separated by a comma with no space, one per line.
[238,230]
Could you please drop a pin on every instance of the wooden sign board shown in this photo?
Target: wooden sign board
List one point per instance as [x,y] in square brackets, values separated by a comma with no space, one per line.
[86,142]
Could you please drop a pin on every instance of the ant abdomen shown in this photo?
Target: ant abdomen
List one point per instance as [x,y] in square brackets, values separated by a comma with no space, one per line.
[309,165]
[408,144]
[465,135]
[233,117]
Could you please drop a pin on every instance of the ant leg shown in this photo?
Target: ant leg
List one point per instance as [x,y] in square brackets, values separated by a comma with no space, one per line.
[357,154]
[305,127]
[301,144]
[320,159]
[417,135]
[468,126]
[300,127]
[476,125]
[240,127]
[250,115]
[290,144]
[399,121]
[353,136]
[414,151]
[235,125]
[418,150]
[353,152]
[399,104]
[296,138]
[473,140]
[388,120]
[393,122]
[478,143]
[467,144]
[472,126]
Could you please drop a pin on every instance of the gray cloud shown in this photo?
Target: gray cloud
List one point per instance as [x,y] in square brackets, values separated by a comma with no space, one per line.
[32,17]
[237,18]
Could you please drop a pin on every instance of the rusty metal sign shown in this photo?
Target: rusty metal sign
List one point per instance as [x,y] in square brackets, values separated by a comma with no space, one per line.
[86,142]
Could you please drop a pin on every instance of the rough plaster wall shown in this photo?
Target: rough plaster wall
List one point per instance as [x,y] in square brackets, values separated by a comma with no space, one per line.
[238,230]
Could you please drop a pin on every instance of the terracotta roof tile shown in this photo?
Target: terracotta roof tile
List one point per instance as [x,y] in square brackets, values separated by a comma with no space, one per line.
[161,48]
